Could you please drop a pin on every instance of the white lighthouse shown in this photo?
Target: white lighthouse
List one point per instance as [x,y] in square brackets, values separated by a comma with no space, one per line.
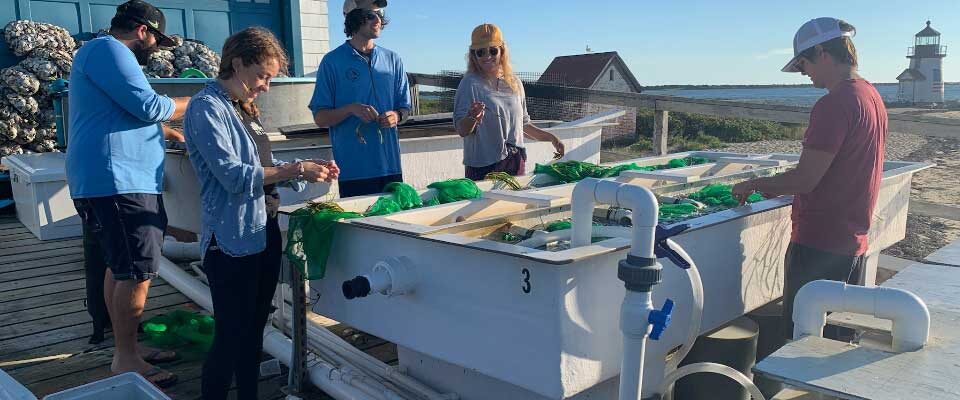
[923,81]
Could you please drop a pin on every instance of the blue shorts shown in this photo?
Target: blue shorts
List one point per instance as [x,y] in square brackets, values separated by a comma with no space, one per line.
[129,231]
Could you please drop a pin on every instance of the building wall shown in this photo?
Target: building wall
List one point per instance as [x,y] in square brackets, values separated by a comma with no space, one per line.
[314,34]
[906,91]
[929,90]
[617,84]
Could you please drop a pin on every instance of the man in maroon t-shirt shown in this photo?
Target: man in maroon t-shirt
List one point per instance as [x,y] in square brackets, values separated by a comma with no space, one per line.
[836,182]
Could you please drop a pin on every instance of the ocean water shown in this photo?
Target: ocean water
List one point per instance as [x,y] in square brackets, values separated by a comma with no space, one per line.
[794,96]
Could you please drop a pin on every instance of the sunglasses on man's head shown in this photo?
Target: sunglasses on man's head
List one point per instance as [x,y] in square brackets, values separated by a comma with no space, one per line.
[483,52]
[371,14]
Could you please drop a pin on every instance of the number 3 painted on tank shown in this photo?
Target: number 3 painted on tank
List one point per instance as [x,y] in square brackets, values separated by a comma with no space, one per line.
[525,287]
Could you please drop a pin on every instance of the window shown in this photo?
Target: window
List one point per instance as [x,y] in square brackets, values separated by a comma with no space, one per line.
[937,77]
[611,74]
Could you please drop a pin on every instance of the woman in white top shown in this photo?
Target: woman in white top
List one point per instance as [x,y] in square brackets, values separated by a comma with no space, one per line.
[490,110]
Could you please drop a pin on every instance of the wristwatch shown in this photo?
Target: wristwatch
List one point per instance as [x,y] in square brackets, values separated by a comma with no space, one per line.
[299,170]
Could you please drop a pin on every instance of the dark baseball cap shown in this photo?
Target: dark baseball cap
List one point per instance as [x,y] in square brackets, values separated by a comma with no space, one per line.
[145,13]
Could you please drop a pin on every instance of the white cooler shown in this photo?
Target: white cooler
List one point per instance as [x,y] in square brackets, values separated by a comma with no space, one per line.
[43,199]
[126,386]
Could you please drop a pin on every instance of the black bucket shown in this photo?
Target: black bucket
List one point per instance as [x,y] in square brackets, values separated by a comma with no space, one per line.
[733,345]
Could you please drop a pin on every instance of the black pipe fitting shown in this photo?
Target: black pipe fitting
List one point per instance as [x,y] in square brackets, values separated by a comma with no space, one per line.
[356,287]
[639,274]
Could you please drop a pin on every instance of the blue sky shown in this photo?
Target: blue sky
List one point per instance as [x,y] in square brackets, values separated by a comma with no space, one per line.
[664,42]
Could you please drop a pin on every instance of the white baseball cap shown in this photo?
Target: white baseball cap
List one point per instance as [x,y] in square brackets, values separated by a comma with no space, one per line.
[350,5]
[812,33]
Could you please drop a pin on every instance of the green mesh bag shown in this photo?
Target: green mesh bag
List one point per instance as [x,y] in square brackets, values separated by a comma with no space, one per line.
[718,194]
[309,237]
[676,163]
[405,195]
[384,206]
[558,225]
[575,171]
[455,190]
[402,197]
[179,328]
[668,211]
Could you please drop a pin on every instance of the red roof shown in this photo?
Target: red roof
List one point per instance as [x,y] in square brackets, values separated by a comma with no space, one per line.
[582,70]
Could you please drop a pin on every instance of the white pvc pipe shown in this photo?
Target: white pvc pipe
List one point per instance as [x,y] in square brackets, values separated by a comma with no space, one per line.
[582,203]
[321,374]
[325,338]
[367,362]
[540,239]
[636,307]
[638,199]
[911,319]
[180,251]
[696,284]
[712,368]
[635,328]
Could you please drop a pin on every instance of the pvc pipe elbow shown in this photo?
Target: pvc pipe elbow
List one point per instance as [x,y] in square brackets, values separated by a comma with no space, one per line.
[582,202]
[910,316]
[642,202]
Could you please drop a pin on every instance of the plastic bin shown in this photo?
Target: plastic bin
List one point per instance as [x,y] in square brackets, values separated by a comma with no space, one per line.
[10,389]
[40,191]
[126,386]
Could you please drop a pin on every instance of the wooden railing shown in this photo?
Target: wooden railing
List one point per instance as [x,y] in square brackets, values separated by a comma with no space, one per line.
[663,105]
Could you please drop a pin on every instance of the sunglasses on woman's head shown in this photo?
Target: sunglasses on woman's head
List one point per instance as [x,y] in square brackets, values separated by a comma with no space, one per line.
[483,52]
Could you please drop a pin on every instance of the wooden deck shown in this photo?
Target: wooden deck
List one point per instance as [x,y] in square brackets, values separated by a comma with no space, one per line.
[44,325]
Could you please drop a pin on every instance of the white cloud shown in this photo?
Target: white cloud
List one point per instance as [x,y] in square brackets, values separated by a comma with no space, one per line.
[775,52]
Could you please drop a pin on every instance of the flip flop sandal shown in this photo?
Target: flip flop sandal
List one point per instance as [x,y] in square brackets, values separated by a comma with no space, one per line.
[154,356]
[161,383]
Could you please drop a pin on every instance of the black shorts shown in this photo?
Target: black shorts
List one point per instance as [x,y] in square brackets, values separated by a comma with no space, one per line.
[362,187]
[804,264]
[129,230]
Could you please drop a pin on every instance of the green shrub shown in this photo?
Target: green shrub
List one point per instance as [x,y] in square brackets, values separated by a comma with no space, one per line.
[732,130]
[642,144]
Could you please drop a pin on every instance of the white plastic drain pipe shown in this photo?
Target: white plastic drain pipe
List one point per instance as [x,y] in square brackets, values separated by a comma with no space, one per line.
[588,192]
[911,319]
[180,251]
[696,284]
[323,375]
[635,312]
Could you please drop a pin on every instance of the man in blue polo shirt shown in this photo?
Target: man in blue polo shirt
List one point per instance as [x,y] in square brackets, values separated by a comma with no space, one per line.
[115,169]
[362,93]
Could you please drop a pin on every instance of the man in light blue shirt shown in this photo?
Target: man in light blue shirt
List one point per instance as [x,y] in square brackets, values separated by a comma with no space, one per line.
[114,170]
[362,93]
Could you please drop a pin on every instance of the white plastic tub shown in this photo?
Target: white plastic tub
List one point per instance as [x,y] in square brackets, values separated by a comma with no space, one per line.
[10,389]
[40,191]
[127,386]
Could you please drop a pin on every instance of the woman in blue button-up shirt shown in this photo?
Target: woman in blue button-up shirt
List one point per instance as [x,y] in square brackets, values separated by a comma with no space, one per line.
[238,178]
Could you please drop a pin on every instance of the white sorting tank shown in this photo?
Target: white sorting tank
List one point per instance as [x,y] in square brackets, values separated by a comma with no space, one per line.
[487,319]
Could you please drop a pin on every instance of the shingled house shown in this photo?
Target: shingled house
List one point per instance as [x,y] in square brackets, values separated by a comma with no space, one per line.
[598,71]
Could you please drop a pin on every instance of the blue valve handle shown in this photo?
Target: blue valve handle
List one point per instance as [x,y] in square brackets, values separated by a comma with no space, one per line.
[662,249]
[660,319]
